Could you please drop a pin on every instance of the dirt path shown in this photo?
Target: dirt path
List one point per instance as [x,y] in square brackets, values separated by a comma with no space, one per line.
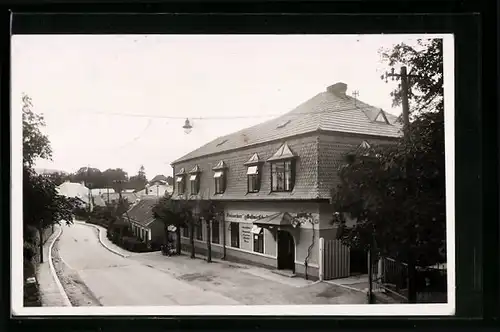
[78,293]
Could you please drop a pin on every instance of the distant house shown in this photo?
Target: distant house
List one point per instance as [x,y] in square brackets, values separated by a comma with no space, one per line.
[114,197]
[100,191]
[158,187]
[142,222]
[76,190]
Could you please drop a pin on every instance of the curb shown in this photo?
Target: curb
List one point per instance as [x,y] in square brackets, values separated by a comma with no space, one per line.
[345,286]
[66,300]
[100,240]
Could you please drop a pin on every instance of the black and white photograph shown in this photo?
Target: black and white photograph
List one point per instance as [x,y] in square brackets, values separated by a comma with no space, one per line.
[195,174]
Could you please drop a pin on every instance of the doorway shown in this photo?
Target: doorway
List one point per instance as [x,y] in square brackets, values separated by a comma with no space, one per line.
[286,251]
[359,262]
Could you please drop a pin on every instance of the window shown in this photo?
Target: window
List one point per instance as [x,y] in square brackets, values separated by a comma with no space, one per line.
[185,231]
[253,179]
[181,184]
[198,230]
[220,182]
[258,239]
[195,183]
[235,235]
[282,176]
[215,231]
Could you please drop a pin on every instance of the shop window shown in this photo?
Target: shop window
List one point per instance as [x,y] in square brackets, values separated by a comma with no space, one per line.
[198,232]
[253,178]
[258,239]
[235,235]
[215,232]
[220,182]
[282,176]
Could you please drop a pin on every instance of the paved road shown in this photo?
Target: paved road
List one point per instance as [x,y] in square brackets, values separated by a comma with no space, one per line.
[117,281]
[152,279]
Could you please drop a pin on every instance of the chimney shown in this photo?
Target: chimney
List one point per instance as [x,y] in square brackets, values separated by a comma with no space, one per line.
[338,89]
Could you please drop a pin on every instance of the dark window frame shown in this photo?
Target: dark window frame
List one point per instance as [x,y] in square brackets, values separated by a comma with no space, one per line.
[195,184]
[181,186]
[281,185]
[220,182]
[254,179]
[259,248]
[235,240]
[215,230]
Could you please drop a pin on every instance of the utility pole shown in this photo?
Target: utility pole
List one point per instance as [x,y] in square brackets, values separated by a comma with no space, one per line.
[404,77]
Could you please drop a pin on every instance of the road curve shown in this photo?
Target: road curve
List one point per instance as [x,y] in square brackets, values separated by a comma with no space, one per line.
[118,281]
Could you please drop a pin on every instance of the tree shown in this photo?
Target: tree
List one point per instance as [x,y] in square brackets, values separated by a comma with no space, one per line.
[42,205]
[425,62]
[57,177]
[35,144]
[207,210]
[375,184]
[175,213]
[170,180]
[138,181]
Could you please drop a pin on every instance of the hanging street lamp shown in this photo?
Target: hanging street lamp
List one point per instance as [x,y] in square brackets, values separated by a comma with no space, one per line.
[187,126]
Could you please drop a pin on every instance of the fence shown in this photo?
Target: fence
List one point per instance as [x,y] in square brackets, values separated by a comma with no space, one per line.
[392,276]
[335,259]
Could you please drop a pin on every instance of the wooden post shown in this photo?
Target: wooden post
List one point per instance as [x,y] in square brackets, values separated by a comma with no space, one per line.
[223,237]
[370,276]
[321,258]
[209,245]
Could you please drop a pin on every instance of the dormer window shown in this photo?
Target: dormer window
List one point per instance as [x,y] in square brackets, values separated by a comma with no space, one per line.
[253,174]
[282,169]
[180,181]
[194,180]
[381,117]
[220,177]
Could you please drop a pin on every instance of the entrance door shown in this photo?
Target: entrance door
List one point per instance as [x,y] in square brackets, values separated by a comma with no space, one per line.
[286,251]
[359,262]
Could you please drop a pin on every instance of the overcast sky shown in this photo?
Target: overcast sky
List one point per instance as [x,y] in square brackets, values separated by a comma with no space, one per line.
[107,99]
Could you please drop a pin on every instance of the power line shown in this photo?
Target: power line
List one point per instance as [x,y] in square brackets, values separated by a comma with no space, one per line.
[157,116]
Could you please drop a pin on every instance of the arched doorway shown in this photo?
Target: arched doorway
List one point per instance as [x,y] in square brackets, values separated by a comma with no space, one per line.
[286,251]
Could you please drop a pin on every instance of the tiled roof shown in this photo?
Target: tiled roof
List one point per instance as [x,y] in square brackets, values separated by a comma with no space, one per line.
[283,152]
[331,110]
[159,178]
[254,159]
[73,189]
[306,184]
[142,211]
[220,166]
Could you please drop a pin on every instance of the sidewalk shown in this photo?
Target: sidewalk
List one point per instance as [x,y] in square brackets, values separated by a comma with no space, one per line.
[49,292]
[247,284]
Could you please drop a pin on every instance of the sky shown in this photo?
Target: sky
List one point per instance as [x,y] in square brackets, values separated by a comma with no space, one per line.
[120,101]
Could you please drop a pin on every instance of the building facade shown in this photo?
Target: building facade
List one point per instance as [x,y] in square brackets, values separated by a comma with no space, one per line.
[272,182]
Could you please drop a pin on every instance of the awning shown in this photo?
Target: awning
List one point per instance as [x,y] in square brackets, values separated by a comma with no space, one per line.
[252,170]
[278,219]
[179,179]
[217,174]
[193,177]
[256,229]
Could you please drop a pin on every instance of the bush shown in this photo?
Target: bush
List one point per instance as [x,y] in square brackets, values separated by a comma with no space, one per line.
[133,244]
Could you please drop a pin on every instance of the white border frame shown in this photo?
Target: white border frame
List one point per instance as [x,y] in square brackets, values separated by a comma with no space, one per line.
[425,309]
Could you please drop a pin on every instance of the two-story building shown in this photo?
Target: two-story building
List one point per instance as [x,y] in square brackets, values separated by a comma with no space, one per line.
[273,181]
